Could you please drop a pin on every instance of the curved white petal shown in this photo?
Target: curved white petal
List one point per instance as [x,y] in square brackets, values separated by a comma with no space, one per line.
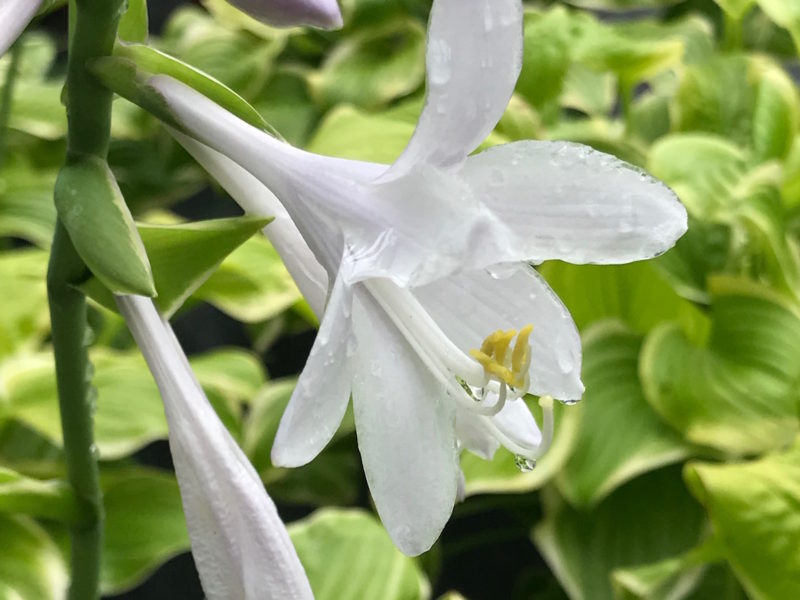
[474,436]
[474,59]
[285,13]
[14,18]
[516,422]
[255,198]
[570,202]
[471,305]
[240,546]
[320,399]
[419,227]
[405,428]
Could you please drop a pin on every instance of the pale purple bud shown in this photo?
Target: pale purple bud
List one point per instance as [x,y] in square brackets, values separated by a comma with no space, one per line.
[285,13]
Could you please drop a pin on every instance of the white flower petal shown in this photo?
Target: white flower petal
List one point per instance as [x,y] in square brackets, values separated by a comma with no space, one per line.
[474,436]
[516,422]
[14,18]
[474,59]
[405,428]
[471,305]
[240,546]
[320,399]
[573,203]
[255,198]
[285,13]
[419,227]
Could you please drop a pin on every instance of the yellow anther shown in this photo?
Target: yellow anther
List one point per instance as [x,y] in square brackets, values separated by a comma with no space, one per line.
[492,367]
[509,368]
[521,355]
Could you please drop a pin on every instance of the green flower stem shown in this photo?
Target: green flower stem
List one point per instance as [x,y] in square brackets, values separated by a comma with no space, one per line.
[73,377]
[8,96]
[93,30]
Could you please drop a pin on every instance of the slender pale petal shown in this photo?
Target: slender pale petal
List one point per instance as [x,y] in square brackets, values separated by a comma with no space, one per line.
[516,422]
[320,398]
[567,201]
[474,59]
[256,199]
[285,13]
[405,428]
[470,305]
[14,18]
[473,436]
[240,546]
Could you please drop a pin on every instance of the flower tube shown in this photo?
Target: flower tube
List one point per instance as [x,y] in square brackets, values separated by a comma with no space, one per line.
[240,545]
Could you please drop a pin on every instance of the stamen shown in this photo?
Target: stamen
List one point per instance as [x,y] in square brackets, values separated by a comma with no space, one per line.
[508,368]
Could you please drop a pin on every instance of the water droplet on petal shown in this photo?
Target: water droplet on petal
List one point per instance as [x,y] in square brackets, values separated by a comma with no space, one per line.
[526,465]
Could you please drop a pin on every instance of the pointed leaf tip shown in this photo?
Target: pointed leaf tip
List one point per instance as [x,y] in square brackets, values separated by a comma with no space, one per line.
[90,204]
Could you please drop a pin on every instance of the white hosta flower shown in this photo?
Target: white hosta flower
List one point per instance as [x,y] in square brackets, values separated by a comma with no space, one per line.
[14,18]
[240,545]
[284,13]
[427,262]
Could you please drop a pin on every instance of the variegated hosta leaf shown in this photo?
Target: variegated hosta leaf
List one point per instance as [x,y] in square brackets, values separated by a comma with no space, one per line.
[737,392]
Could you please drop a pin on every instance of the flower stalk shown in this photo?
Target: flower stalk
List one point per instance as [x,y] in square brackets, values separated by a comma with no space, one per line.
[93,28]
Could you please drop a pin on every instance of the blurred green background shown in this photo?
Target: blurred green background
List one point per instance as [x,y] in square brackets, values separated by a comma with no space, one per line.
[678,476]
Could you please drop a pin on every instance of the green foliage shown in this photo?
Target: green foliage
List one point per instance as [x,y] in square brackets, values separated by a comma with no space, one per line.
[693,356]
[753,507]
[348,555]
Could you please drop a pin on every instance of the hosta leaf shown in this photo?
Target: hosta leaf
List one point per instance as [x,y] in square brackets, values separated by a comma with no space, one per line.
[51,499]
[347,132]
[704,170]
[26,201]
[614,405]
[287,105]
[753,507]
[738,393]
[129,410]
[648,519]
[236,58]
[695,574]
[501,474]
[627,53]
[589,91]
[144,526]
[785,13]
[93,211]
[373,66]
[348,555]
[635,294]
[251,284]
[718,96]
[547,56]
[24,316]
[31,565]
[777,114]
